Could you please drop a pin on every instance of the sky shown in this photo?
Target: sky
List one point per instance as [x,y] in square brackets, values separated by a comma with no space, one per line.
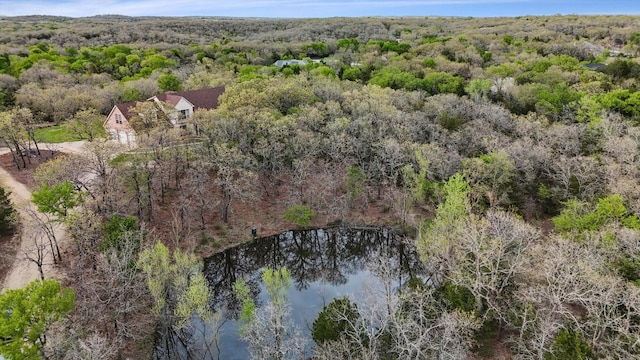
[317,8]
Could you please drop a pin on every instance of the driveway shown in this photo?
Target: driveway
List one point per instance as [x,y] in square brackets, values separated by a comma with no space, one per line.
[24,271]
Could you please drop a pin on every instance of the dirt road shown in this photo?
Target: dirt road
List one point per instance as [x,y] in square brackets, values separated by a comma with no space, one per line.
[24,271]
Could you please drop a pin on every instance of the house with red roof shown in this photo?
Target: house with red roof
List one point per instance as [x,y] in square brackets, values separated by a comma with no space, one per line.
[185,103]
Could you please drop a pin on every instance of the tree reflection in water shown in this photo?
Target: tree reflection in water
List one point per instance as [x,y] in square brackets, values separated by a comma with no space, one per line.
[323,263]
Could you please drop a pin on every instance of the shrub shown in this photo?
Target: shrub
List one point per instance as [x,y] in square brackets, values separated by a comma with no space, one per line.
[334,320]
[300,215]
[569,344]
[7,213]
[114,230]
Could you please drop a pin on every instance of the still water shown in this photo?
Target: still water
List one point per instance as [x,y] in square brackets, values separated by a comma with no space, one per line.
[323,264]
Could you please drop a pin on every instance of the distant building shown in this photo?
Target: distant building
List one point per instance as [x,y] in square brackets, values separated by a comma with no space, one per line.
[281,63]
[185,102]
[595,66]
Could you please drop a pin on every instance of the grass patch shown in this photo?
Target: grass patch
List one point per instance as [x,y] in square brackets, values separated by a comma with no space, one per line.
[121,158]
[61,133]
[55,134]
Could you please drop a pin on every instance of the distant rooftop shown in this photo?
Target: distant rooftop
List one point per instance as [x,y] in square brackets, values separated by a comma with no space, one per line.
[281,63]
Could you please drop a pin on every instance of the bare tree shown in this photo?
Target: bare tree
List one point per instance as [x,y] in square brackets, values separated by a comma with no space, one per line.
[37,254]
[93,347]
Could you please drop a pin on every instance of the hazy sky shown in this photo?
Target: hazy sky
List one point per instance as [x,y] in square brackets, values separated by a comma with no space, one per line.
[316,8]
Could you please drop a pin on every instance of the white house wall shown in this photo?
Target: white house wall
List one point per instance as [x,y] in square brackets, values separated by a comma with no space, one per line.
[183,104]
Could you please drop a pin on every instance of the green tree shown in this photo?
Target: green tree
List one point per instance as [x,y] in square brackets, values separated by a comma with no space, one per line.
[569,345]
[277,282]
[334,319]
[395,79]
[579,216]
[352,74]
[442,82]
[355,181]
[130,94]
[300,215]
[57,199]
[86,124]
[7,213]
[27,314]
[169,82]
[491,177]
[115,229]
[179,290]
[556,102]
[478,89]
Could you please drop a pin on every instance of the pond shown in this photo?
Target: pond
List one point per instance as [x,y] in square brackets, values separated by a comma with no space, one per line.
[323,264]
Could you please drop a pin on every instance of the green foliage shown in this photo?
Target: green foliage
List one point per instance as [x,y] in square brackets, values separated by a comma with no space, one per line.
[86,124]
[113,231]
[416,180]
[324,71]
[399,48]
[491,177]
[352,74]
[7,213]
[622,101]
[355,181]
[130,94]
[430,63]
[300,215]
[485,337]
[487,56]
[168,277]
[552,102]
[628,267]
[179,289]
[436,236]
[450,122]
[433,39]
[579,216]
[442,83]
[456,203]
[318,49]
[351,43]
[457,297]
[548,198]
[169,82]
[478,88]
[277,282]
[241,291]
[27,314]
[395,79]
[622,69]
[541,66]
[194,301]
[334,320]
[589,110]
[566,62]
[57,199]
[569,345]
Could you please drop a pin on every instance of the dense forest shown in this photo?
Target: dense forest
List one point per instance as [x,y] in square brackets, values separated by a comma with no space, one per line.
[506,149]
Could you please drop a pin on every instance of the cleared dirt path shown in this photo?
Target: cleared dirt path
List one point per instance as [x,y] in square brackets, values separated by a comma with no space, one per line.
[24,271]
